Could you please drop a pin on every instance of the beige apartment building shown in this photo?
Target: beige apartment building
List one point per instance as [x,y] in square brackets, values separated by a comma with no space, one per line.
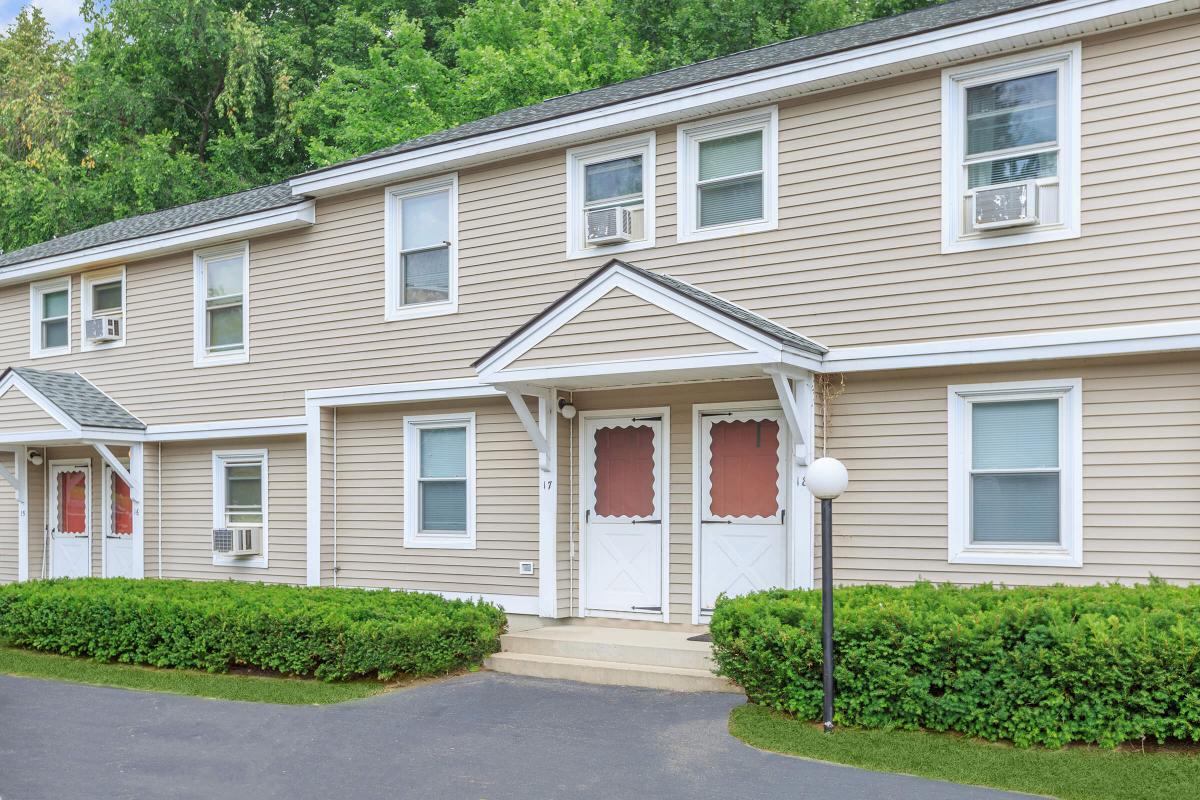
[575,358]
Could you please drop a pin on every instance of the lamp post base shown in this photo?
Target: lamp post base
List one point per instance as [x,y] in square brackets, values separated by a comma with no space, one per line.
[829,727]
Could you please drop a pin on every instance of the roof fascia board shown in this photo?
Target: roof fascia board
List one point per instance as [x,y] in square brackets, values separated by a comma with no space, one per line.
[1016,30]
[699,363]
[411,392]
[259,223]
[620,278]
[227,429]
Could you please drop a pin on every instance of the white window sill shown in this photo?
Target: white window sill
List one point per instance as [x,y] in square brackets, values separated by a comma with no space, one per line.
[972,243]
[1018,557]
[419,311]
[57,351]
[206,360]
[251,562]
[611,249]
[88,348]
[723,231]
[431,542]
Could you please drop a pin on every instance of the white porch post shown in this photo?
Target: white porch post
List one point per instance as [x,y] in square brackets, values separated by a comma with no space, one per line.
[138,495]
[548,508]
[21,467]
[801,524]
[312,468]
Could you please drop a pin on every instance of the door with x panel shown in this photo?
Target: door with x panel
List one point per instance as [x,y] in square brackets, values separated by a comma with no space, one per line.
[70,520]
[743,546]
[623,527]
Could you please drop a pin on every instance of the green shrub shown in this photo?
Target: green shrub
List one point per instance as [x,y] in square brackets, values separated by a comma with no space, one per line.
[1050,666]
[332,634]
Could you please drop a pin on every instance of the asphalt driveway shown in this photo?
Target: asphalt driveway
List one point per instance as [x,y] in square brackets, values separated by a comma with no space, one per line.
[480,737]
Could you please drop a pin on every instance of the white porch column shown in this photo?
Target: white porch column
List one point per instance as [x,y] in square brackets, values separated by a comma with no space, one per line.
[21,467]
[312,469]
[137,493]
[548,508]
[801,522]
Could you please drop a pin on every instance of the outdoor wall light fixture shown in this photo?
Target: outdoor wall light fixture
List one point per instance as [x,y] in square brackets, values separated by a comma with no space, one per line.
[827,479]
[566,408]
[35,458]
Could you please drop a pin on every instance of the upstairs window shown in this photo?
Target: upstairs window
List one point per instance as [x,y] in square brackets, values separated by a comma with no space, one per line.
[1011,151]
[610,197]
[103,313]
[222,306]
[50,314]
[728,184]
[422,249]
[439,469]
[1015,474]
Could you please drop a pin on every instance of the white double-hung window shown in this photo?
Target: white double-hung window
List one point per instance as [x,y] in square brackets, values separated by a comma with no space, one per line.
[421,248]
[439,481]
[240,499]
[50,315]
[103,297]
[728,181]
[610,196]
[221,321]
[1015,473]
[1010,151]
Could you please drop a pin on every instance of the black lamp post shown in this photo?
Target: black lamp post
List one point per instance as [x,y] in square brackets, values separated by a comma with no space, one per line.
[827,479]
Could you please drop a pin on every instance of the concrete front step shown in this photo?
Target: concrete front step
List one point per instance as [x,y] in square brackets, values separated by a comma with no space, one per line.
[658,648]
[613,673]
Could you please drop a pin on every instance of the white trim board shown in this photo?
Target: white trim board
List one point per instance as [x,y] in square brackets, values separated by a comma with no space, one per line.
[1029,27]
[258,224]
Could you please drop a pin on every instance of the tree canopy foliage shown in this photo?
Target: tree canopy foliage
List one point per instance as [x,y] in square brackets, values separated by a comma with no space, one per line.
[163,102]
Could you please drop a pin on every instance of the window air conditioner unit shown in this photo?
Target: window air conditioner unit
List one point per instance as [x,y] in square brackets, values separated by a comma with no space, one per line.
[237,541]
[1008,205]
[98,330]
[612,225]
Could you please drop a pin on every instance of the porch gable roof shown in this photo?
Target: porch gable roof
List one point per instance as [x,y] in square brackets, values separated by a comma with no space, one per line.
[71,399]
[683,327]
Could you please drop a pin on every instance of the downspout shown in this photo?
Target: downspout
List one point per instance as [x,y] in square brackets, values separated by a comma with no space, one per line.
[158,477]
[571,507]
[333,501]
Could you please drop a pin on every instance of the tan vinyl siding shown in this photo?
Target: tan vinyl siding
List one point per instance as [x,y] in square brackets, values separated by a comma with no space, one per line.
[621,326]
[187,516]
[151,518]
[855,261]
[680,399]
[1141,474]
[328,504]
[371,504]
[19,413]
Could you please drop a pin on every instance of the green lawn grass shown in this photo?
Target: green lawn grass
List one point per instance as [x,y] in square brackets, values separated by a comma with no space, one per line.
[253,688]
[1074,773]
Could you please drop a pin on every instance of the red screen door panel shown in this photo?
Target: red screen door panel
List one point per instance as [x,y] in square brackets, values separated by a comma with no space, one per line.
[122,508]
[72,502]
[745,468]
[625,472]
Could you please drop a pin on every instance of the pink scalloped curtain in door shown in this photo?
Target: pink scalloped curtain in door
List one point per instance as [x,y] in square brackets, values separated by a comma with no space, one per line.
[745,468]
[72,502]
[625,472]
[122,508]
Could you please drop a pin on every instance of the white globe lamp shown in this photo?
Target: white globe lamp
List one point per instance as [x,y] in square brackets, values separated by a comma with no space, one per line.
[827,478]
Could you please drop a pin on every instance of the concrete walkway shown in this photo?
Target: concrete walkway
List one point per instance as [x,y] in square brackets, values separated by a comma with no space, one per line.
[481,737]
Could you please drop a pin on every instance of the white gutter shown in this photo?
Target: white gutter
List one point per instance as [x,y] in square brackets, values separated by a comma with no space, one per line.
[259,223]
[1020,29]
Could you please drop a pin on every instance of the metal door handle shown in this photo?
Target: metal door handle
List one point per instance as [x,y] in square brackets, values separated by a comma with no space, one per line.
[647,522]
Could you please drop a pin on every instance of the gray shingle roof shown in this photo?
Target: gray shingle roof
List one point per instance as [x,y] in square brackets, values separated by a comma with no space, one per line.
[78,399]
[739,314]
[231,205]
[791,51]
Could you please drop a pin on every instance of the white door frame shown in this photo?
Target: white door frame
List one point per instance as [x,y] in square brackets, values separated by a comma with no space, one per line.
[107,512]
[794,525]
[53,500]
[663,493]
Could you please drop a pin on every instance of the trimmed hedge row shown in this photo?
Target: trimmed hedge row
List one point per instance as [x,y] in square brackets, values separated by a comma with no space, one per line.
[1049,666]
[333,634]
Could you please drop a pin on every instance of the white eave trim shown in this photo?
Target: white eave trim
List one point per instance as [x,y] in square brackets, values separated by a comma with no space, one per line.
[1028,27]
[260,223]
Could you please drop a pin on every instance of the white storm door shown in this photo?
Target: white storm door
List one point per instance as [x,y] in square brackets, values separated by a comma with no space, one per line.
[70,521]
[623,526]
[118,526]
[743,544]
